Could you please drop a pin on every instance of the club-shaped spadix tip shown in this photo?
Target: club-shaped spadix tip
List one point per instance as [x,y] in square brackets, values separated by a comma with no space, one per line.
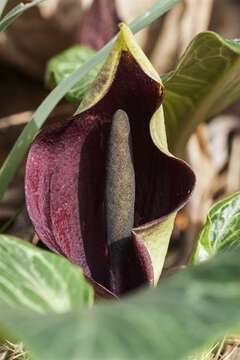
[120,124]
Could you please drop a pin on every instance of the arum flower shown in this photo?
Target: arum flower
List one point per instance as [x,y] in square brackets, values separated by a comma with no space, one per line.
[102,188]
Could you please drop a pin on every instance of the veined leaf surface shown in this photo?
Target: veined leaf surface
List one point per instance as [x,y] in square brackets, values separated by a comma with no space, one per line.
[182,316]
[221,231]
[40,280]
[205,81]
[65,63]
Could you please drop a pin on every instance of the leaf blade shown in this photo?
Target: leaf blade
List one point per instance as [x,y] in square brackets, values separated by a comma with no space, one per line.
[64,64]
[192,299]
[204,83]
[17,11]
[39,280]
[221,231]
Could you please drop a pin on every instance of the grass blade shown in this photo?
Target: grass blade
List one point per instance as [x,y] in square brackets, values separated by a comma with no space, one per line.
[15,12]
[157,10]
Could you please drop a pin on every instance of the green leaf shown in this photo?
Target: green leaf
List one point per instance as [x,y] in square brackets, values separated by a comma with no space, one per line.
[65,63]
[186,313]
[15,13]
[221,231]
[14,159]
[205,82]
[40,280]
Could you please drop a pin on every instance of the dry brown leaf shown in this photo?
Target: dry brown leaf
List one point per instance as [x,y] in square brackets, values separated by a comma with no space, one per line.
[179,27]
